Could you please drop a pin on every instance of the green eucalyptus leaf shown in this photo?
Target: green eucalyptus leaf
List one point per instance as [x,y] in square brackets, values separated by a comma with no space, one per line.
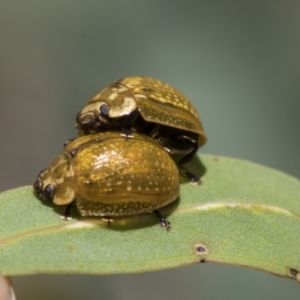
[243,214]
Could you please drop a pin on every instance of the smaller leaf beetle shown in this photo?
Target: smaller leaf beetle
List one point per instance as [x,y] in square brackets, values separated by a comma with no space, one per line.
[148,106]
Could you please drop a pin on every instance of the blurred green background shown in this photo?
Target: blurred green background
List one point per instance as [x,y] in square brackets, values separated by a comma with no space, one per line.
[238,62]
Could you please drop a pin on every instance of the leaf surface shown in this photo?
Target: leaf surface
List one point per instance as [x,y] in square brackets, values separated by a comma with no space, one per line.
[243,214]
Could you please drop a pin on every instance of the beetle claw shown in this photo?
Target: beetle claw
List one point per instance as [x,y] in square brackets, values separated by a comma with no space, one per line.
[68,142]
[67,213]
[108,219]
[126,133]
[194,180]
[65,217]
[163,221]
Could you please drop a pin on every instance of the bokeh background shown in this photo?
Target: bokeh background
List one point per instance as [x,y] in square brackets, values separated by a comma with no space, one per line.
[238,62]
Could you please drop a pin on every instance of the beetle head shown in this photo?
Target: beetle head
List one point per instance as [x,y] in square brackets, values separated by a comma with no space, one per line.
[43,186]
[56,183]
[114,101]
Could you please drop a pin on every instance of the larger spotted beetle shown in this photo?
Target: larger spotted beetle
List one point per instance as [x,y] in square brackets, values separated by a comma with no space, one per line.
[106,175]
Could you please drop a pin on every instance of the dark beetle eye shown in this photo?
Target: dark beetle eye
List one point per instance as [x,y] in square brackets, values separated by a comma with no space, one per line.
[48,192]
[104,110]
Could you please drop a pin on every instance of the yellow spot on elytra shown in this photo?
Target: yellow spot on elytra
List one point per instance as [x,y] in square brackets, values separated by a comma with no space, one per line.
[113,96]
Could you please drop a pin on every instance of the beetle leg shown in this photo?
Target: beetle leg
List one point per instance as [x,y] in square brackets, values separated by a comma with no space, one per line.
[108,219]
[126,132]
[187,158]
[68,142]
[163,221]
[67,212]
[184,146]
[128,122]
[193,178]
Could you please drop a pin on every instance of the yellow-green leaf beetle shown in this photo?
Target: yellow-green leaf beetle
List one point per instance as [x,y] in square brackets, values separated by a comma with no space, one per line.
[104,174]
[148,106]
